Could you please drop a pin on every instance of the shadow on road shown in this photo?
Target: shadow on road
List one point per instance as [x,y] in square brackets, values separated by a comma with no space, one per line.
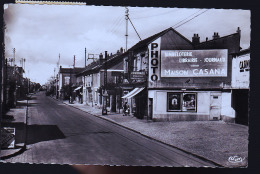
[36,133]
[39,133]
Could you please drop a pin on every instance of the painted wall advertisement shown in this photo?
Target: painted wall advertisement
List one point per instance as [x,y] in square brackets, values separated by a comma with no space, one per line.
[241,72]
[194,63]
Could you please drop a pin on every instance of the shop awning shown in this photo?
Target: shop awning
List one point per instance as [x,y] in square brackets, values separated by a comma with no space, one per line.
[78,88]
[133,93]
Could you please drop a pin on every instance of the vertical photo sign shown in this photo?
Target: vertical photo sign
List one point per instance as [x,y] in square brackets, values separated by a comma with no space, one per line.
[154,60]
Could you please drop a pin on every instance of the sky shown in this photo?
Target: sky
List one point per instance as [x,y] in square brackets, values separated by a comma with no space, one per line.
[39,33]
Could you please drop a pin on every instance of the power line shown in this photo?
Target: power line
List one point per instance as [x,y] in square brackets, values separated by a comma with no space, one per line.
[191,19]
[186,18]
[155,15]
[134,28]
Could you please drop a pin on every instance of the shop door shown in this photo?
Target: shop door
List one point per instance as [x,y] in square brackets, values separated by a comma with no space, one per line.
[215,106]
[150,108]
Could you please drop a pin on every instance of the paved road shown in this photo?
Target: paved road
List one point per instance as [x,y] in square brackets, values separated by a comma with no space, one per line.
[59,133]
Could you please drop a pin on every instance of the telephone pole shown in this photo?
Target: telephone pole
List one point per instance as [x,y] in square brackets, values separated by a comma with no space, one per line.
[85,57]
[74,61]
[14,55]
[126,33]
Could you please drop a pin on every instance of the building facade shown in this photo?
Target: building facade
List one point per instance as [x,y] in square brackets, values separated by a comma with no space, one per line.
[240,85]
[104,74]
[181,79]
[68,82]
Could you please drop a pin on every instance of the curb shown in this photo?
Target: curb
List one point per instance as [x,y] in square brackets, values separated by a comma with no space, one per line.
[20,151]
[195,155]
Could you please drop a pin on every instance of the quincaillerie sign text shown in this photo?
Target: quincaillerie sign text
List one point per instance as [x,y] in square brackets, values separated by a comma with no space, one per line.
[194,63]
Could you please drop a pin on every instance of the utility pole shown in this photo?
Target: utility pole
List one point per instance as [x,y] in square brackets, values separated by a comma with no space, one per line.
[92,56]
[105,95]
[74,61]
[85,57]
[55,80]
[14,55]
[58,78]
[22,61]
[126,33]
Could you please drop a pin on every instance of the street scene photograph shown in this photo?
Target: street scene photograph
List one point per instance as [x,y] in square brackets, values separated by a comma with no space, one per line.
[125,86]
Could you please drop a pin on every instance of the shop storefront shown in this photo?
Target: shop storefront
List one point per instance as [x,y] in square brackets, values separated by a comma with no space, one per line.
[183,79]
[189,84]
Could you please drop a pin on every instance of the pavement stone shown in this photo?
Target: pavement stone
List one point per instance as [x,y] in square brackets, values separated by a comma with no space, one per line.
[217,141]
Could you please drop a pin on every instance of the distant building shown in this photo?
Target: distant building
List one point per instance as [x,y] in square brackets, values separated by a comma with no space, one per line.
[68,80]
[93,81]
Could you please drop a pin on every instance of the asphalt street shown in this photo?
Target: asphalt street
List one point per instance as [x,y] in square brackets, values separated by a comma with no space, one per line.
[61,134]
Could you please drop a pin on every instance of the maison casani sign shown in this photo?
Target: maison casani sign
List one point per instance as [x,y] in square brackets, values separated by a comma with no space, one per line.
[194,63]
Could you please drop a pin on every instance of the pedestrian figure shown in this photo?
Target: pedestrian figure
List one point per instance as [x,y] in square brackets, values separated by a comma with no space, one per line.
[126,109]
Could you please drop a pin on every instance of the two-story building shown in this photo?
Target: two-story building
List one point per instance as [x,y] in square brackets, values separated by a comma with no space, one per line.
[94,81]
[68,81]
[168,77]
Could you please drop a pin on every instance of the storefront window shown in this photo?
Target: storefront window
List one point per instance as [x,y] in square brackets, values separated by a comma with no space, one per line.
[174,101]
[181,102]
[189,102]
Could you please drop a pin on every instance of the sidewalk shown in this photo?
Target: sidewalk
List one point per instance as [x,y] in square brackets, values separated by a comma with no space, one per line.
[217,141]
[15,118]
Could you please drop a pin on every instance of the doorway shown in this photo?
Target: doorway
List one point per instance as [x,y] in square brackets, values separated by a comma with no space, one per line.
[215,106]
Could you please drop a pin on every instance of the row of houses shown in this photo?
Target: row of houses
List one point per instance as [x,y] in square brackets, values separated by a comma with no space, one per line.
[15,86]
[167,77]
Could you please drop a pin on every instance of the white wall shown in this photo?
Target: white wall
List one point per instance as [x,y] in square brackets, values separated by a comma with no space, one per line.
[203,102]
[226,109]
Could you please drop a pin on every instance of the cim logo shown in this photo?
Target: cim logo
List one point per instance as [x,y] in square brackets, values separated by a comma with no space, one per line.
[235,159]
[244,65]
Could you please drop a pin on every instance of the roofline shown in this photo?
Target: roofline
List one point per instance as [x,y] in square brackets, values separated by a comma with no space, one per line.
[242,52]
[216,39]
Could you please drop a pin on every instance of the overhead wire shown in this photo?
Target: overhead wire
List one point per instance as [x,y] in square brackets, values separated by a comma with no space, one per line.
[191,19]
[156,15]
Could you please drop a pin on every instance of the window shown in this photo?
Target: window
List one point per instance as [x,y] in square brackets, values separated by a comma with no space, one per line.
[182,102]
[67,80]
[126,66]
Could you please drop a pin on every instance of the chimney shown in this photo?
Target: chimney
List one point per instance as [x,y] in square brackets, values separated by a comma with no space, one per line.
[196,39]
[239,31]
[207,39]
[215,36]
[111,54]
[121,50]
[100,56]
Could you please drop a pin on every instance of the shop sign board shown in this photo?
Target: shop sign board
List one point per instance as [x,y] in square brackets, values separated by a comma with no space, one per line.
[154,60]
[138,75]
[194,63]
[7,137]
[241,71]
[117,73]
